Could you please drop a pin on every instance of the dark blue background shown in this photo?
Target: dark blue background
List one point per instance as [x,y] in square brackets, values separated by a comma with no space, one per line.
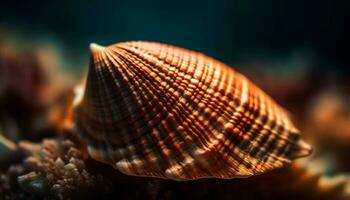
[226,30]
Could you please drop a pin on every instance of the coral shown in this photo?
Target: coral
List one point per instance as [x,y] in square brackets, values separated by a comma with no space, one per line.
[55,169]
[9,188]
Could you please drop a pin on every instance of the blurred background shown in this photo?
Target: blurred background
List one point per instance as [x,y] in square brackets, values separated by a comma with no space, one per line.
[296,50]
[293,49]
[231,31]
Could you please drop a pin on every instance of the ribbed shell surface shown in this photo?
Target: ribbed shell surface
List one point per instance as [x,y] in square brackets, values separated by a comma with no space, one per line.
[152,109]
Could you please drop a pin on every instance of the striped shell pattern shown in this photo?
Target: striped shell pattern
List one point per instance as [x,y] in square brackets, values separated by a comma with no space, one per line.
[152,109]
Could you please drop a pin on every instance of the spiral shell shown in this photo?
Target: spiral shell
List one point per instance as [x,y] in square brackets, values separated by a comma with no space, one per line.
[152,109]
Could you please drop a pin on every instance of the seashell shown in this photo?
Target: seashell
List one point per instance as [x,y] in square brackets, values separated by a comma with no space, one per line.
[152,109]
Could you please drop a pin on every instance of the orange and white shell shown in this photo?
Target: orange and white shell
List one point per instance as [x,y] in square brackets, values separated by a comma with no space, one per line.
[152,109]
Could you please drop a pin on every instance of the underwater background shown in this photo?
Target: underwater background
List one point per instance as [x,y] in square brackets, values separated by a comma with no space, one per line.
[227,30]
[297,51]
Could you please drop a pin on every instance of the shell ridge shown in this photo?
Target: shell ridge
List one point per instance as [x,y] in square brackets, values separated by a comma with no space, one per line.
[106,142]
[131,63]
[130,71]
[172,87]
[245,97]
[192,156]
[101,147]
[181,115]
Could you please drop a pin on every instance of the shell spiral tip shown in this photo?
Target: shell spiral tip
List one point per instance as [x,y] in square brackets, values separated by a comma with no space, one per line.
[95,47]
